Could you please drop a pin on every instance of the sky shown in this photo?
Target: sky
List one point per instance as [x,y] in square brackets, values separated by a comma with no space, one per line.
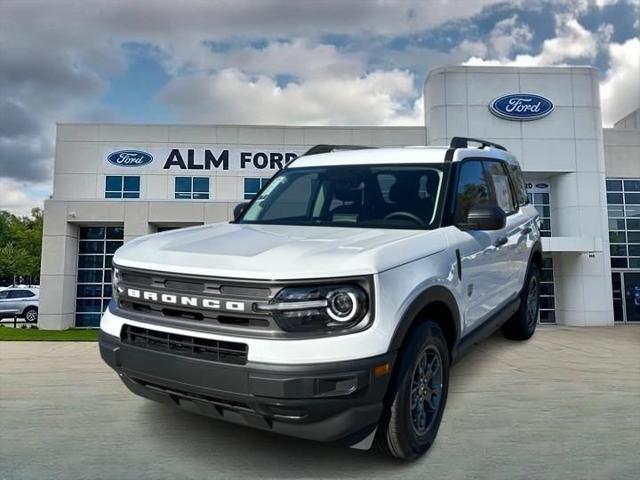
[293,62]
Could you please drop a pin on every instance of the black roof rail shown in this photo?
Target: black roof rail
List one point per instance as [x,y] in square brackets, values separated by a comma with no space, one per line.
[463,142]
[332,148]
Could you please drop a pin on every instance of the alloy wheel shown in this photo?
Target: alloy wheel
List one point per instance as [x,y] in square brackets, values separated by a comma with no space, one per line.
[426,390]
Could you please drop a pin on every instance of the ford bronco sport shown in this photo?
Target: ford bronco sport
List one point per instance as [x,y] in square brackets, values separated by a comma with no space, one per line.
[332,307]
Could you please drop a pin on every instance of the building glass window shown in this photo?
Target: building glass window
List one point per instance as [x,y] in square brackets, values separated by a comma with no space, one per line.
[623,198]
[96,247]
[192,188]
[538,194]
[122,186]
[253,185]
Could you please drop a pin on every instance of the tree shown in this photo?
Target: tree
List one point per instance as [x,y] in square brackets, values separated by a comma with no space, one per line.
[20,245]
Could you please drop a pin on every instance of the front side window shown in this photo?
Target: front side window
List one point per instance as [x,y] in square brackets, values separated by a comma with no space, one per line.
[192,188]
[252,185]
[122,186]
[381,196]
[473,189]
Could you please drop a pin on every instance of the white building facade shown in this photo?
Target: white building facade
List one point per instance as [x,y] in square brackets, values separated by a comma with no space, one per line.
[113,183]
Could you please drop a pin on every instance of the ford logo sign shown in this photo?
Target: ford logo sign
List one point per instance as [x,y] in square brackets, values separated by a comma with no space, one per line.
[521,106]
[130,158]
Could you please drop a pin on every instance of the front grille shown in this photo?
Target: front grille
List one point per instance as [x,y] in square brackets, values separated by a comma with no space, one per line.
[194,316]
[185,345]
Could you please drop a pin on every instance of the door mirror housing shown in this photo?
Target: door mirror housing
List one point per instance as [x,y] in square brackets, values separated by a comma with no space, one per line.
[239,210]
[485,217]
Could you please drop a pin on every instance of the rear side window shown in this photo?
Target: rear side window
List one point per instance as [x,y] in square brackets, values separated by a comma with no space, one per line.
[518,183]
[20,294]
[473,189]
[502,188]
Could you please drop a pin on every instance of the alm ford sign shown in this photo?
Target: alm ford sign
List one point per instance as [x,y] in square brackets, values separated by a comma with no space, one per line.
[521,106]
[130,158]
[201,157]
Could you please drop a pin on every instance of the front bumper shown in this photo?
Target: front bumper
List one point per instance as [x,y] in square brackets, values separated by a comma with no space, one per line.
[339,401]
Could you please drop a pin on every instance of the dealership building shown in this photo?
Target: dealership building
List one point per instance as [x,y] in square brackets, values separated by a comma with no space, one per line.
[113,183]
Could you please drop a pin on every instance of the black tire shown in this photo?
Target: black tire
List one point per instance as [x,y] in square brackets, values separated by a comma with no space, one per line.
[30,314]
[399,431]
[523,323]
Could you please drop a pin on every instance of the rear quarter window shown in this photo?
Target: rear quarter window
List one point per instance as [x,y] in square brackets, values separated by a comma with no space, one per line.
[518,183]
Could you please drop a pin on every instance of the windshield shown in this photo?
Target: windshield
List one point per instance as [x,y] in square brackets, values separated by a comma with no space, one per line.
[380,196]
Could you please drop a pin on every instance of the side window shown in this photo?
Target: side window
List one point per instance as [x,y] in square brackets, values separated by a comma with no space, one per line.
[20,294]
[4,294]
[518,182]
[295,201]
[473,189]
[502,188]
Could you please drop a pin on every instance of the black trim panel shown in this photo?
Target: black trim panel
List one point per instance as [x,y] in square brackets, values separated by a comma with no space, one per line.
[485,329]
[325,402]
[432,294]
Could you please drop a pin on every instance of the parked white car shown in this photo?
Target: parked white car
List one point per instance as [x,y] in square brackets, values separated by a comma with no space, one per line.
[334,304]
[21,302]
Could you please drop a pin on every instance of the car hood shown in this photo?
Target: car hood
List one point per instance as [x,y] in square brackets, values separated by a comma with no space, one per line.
[278,252]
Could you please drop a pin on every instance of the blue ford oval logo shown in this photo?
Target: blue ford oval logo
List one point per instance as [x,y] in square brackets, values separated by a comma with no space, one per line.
[130,158]
[521,106]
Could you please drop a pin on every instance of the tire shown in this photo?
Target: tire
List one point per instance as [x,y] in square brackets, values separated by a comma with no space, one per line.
[523,323]
[403,432]
[30,314]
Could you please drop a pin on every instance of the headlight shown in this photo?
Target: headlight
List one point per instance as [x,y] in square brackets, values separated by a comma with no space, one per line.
[325,307]
[115,280]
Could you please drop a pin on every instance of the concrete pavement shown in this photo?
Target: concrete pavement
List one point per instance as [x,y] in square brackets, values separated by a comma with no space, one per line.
[565,405]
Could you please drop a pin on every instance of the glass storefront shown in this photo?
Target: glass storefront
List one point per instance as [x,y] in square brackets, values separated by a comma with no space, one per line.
[96,247]
[623,205]
[538,193]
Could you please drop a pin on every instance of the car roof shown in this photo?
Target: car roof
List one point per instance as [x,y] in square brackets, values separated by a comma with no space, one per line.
[398,155]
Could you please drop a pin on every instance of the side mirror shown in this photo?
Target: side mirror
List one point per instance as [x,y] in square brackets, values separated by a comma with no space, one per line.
[485,217]
[239,210]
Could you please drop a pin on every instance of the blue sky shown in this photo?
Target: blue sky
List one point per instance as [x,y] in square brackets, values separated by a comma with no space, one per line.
[330,62]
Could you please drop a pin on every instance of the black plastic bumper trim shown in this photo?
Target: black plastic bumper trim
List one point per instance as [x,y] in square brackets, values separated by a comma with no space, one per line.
[325,402]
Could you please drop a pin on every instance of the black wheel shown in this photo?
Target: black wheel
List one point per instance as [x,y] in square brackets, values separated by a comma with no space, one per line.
[523,324]
[30,314]
[417,395]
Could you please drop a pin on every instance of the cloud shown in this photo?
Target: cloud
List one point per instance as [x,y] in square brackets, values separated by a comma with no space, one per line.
[20,197]
[375,98]
[572,42]
[620,90]
[509,36]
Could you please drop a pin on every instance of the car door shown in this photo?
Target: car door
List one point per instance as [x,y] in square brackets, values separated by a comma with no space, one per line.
[511,255]
[481,275]
[8,302]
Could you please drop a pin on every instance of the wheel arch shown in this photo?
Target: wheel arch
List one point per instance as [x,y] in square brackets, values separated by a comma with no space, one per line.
[35,307]
[436,303]
[535,256]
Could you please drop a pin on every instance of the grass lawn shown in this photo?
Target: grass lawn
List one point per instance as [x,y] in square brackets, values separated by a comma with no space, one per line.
[33,335]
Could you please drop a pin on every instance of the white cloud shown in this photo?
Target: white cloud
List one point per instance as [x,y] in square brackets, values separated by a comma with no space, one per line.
[375,98]
[620,90]
[509,36]
[572,42]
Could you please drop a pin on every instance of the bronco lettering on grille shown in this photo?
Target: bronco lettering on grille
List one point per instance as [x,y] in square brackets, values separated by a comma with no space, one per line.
[184,300]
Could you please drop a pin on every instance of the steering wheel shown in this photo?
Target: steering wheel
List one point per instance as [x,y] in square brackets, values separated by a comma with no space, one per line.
[411,216]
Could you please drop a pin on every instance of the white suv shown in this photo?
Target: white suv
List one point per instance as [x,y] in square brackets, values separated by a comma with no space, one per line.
[334,304]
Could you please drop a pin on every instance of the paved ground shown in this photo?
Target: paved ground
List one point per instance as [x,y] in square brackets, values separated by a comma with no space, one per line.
[565,405]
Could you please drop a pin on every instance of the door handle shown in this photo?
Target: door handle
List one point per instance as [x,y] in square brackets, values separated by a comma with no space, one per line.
[525,231]
[501,241]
